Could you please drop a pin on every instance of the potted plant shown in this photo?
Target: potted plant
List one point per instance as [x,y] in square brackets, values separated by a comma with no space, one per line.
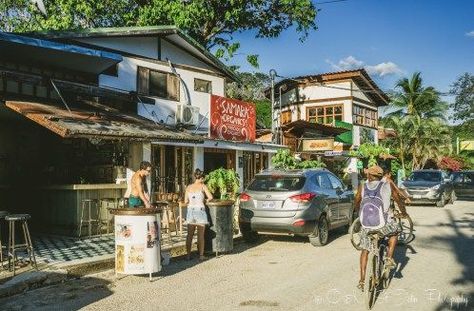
[224,185]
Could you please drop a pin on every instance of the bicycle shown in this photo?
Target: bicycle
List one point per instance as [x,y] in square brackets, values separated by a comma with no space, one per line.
[376,273]
[405,235]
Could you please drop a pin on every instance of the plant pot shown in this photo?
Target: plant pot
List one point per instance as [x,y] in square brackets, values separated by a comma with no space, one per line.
[219,235]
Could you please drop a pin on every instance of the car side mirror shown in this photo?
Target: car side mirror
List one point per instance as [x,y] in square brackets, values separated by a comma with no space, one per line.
[349,187]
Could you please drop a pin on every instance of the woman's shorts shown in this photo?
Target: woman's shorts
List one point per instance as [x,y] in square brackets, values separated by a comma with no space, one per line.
[390,228]
[196,216]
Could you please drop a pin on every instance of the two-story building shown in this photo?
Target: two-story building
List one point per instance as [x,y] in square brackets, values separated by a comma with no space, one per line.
[311,112]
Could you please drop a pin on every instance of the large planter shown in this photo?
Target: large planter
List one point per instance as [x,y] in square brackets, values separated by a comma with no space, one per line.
[219,235]
[137,240]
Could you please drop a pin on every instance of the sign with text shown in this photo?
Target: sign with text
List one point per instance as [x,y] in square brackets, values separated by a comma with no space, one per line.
[232,119]
[467,145]
[318,144]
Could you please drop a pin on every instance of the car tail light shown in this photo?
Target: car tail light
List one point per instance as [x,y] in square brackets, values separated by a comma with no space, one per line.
[298,223]
[303,198]
[244,197]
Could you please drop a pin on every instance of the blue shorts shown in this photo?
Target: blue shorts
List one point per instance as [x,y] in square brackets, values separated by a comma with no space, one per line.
[135,202]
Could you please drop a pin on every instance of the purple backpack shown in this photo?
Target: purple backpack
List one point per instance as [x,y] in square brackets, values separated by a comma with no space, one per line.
[372,215]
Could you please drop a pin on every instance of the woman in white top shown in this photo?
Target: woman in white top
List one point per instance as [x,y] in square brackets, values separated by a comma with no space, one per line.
[196,216]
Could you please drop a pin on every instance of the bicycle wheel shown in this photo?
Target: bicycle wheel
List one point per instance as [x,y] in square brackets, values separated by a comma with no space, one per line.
[371,281]
[384,272]
[406,226]
[354,233]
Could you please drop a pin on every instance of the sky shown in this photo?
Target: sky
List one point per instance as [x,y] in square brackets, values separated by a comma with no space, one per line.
[391,39]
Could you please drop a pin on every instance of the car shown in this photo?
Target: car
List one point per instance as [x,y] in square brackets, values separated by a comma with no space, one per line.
[463,182]
[429,186]
[308,202]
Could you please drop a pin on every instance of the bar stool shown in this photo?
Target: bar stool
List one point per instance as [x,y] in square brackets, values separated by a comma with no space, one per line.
[104,216]
[12,246]
[89,204]
[2,216]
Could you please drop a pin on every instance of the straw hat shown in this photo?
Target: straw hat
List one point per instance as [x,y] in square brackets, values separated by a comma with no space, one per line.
[374,171]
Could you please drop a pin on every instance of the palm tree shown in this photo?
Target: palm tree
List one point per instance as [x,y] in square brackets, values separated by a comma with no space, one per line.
[414,99]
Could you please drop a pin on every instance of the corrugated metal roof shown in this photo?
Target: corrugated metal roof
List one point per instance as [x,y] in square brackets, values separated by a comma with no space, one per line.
[101,124]
[163,30]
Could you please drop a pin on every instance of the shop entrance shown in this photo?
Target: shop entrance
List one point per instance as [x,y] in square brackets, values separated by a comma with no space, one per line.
[217,158]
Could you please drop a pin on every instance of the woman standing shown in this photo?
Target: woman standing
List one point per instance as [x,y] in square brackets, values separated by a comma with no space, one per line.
[196,216]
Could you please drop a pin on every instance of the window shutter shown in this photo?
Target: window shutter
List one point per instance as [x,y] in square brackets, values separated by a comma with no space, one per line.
[143,82]
[172,86]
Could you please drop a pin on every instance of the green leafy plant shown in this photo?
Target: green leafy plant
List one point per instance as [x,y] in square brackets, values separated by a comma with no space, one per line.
[284,159]
[223,183]
[371,152]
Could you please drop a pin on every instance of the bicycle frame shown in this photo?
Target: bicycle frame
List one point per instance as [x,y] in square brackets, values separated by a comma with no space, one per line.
[375,273]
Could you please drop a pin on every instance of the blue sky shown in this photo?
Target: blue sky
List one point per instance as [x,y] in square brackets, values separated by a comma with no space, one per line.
[392,39]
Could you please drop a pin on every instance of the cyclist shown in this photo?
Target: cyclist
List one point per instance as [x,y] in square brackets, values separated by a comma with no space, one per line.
[373,200]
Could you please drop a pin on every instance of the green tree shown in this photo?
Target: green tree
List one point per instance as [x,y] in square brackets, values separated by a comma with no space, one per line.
[252,89]
[463,105]
[414,99]
[211,23]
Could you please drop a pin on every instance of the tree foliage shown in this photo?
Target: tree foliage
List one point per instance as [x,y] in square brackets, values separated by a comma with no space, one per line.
[211,23]
[414,99]
[463,105]
[285,160]
[223,182]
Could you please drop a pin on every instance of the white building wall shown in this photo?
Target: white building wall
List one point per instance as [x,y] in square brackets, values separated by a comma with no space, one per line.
[179,56]
[357,92]
[164,110]
[143,46]
[332,90]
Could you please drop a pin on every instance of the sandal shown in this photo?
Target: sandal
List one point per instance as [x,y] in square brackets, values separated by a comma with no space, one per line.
[361,286]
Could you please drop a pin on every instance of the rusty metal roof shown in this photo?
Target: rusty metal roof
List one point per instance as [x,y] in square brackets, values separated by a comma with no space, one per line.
[101,124]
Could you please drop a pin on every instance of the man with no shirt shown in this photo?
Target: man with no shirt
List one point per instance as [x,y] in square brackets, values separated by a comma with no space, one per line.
[139,195]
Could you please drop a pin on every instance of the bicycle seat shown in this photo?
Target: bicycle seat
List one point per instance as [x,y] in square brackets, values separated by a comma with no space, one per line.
[375,233]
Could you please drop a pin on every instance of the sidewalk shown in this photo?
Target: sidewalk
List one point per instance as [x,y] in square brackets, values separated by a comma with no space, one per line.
[59,258]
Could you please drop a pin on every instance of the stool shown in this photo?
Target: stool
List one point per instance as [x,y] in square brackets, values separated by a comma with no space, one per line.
[2,216]
[12,246]
[88,204]
[104,215]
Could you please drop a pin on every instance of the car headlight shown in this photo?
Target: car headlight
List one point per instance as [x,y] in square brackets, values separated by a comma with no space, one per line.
[435,187]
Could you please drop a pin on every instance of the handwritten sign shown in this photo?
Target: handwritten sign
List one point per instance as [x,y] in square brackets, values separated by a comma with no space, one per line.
[318,144]
[232,119]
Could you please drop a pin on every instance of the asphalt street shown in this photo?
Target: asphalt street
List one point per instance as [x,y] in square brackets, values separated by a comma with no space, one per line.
[435,272]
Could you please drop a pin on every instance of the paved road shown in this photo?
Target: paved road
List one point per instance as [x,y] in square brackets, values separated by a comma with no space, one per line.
[436,272]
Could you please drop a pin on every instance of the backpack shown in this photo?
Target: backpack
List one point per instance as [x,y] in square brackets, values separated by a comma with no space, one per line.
[372,215]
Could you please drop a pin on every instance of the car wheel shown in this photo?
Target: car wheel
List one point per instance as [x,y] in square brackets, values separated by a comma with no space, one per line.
[248,235]
[320,235]
[452,197]
[442,200]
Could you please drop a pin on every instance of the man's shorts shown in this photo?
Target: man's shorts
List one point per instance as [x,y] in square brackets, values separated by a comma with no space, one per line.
[135,202]
[390,228]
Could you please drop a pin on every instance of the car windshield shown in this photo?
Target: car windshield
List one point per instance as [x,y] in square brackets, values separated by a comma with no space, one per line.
[277,183]
[425,176]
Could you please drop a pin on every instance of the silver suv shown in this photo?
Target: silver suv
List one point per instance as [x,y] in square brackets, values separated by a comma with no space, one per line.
[299,202]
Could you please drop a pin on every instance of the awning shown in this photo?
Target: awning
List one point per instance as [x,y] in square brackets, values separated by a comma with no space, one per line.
[102,124]
[300,127]
[56,54]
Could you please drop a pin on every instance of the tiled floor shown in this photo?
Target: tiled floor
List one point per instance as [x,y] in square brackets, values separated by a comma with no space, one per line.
[56,249]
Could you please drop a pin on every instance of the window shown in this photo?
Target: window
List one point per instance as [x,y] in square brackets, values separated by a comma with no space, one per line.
[277,183]
[324,114]
[156,83]
[336,183]
[364,116]
[203,86]
[285,117]
[323,181]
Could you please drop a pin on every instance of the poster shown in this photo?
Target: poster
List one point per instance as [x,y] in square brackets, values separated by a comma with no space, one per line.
[152,234]
[123,232]
[136,257]
[120,258]
[232,119]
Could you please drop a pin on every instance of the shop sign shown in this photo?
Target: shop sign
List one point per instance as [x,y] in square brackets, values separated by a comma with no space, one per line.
[232,119]
[318,144]
[467,145]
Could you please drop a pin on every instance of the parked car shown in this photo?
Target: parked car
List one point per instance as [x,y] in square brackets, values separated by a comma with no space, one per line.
[307,202]
[463,184]
[429,186]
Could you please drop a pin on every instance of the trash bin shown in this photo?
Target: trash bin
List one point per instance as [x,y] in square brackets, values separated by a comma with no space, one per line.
[219,235]
[137,240]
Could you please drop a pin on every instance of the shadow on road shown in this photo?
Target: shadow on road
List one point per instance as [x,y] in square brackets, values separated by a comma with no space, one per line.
[73,294]
[462,245]
[402,258]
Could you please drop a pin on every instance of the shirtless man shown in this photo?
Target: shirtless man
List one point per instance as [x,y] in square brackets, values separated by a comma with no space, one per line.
[138,195]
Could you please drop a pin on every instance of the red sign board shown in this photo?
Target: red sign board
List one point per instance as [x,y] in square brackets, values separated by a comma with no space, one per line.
[232,119]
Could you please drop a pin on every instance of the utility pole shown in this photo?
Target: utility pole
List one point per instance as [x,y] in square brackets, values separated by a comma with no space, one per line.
[273,74]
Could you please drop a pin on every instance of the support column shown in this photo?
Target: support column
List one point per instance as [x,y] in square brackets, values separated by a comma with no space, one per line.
[239,154]
[198,158]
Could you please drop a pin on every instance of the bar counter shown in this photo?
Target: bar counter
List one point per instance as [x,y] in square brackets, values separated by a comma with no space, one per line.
[57,208]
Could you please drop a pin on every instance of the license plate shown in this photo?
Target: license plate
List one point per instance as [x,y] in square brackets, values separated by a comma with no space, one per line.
[268,205]
[417,196]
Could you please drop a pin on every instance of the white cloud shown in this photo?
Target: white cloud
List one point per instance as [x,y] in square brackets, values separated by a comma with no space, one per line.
[470,34]
[350,63]
[384,69]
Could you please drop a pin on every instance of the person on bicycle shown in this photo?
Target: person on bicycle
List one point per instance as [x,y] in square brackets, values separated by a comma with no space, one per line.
[373,201]
[387,177]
